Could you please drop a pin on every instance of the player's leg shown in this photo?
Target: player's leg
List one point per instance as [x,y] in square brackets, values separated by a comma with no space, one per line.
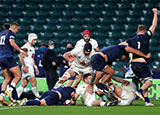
[78,79]
[68,74]
[17,76]
[7,79]
[20,89]
[109,71]
[33,82]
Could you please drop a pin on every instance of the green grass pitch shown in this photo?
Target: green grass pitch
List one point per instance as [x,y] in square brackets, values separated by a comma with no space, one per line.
[137,108]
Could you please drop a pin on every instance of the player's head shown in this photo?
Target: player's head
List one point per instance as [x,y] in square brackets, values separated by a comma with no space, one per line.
[14,27]
[32,38]
[86,77]
[86,35]
[51,44]
[141,29]
[87,48]
[6,26]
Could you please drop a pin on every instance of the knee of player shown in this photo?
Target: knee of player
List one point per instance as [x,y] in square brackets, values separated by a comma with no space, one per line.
[7,80]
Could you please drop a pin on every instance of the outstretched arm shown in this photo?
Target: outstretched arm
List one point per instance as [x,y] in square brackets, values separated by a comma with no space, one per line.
[137,52]
[154,22]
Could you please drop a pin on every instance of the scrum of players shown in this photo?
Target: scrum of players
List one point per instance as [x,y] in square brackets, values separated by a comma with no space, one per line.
[90,64]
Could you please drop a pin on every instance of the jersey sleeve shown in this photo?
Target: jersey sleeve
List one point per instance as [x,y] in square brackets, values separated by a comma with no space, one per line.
[148,34]
[24,46]
[75,51]
[78,90]
[95,44]
[12,36]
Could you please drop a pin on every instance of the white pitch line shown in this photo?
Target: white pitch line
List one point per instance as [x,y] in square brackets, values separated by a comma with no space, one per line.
[5,108]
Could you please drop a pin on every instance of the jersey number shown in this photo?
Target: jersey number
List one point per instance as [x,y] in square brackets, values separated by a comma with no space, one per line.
[2,40]
[139,45]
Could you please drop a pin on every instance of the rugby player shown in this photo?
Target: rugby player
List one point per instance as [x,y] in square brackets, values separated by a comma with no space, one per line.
[140,65]
[101,61]
[80,64]
[7,62]
[28,66]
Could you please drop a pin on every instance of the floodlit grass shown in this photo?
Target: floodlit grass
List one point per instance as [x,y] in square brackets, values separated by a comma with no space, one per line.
[137,108]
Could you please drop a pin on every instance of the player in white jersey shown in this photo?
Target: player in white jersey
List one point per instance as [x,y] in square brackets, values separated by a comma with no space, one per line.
[87,38]
[124,93]
[28,66]
[80,62]
[88,92]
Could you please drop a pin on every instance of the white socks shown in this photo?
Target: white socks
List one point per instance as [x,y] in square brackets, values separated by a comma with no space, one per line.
[19,90]
[102,104]
[35,91]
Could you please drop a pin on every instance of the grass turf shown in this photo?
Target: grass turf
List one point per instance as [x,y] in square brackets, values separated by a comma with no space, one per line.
[137,108]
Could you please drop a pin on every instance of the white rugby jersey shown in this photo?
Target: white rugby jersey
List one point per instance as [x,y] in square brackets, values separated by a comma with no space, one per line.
[81,89]
[81,42]
[81,60]
[29,60]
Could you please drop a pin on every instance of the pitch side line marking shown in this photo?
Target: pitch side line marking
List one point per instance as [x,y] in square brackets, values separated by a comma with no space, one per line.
[5,108]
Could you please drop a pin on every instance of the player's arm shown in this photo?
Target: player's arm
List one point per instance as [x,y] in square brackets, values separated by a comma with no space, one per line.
[15,46]
[154,22]
[120,80]
[21,58]
[96,49]
[75,97]
[137,52]
[67,55]
[123,43]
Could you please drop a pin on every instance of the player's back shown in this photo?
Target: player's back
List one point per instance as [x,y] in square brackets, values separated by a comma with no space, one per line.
[6,50]
[114,52]
[65,92]
[140,42]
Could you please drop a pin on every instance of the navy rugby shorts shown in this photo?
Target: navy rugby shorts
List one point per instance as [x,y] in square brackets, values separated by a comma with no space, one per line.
[7,63]
[141,70]
[97,62]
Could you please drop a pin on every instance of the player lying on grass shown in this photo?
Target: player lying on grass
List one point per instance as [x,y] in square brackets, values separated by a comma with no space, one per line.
[88,92]
[51,97]
[125,93]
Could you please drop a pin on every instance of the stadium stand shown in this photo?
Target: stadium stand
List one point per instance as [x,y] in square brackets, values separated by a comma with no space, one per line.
[110,21]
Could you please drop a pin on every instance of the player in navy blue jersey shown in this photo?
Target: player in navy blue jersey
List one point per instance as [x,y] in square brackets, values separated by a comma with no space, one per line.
[102,61]
[7,62]
[140,65]
[55,96]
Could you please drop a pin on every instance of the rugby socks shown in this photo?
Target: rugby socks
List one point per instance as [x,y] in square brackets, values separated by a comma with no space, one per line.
[11,87]
[147,99]
[102,104]
[140,90]
[19,90]
[35,91]
[33,102]
[14,94]
[2,93]
[102,86]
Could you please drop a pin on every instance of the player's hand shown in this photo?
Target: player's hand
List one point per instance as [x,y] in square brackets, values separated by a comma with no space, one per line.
[54,63]
[25,69]
[148,55]
[154,10]
[37,71]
